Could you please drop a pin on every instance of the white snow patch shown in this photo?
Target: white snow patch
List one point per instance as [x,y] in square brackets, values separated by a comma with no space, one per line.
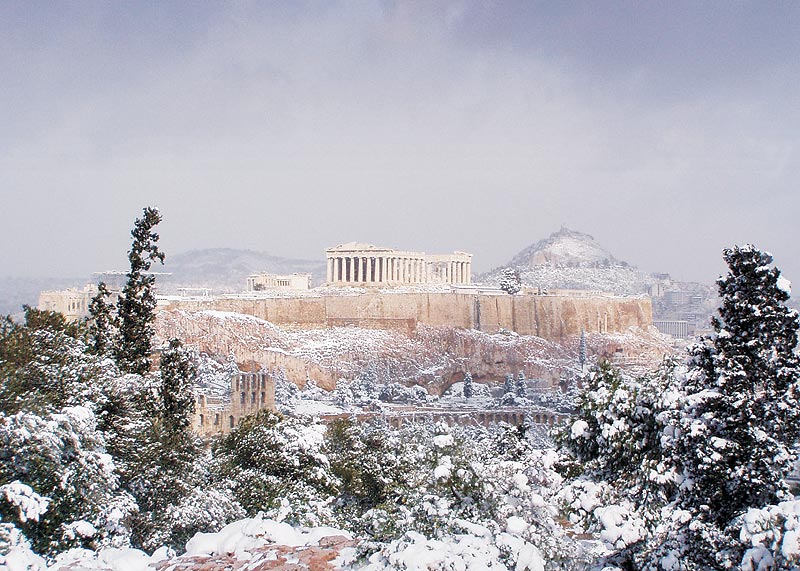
[579,428]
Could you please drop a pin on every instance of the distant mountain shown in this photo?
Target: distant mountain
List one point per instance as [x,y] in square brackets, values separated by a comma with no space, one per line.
[568,259]
[566,248]
[226,269]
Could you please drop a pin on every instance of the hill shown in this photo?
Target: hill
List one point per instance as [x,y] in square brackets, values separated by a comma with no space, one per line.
[226,269]
[567,248]
[568,259]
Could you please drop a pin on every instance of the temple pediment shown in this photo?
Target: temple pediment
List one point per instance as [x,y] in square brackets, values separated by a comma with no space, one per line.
[357,247]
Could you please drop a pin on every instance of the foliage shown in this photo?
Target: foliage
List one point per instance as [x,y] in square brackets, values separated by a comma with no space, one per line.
[582,350]
[508,384]
[102,321]
[510,281]
[468,385]
[270,459]
[178,375]
[137,301]
[738,424]
[521,386]
[44,365]
[61,460]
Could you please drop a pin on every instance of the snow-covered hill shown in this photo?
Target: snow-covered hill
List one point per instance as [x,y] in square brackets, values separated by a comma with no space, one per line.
[566,248]
[573,260]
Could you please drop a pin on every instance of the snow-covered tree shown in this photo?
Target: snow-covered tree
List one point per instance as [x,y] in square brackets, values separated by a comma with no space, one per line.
[178,373]
[741,415]
[616,432]
[468,390]
[64,490]
[508,384]
[275,464]
[45,365]
[137,303]
[102,321]
[582,350]
[510,281]
[521,386]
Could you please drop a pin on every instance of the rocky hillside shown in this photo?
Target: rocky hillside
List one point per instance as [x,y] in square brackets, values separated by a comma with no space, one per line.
[573,260]
[225,270]
[430,357]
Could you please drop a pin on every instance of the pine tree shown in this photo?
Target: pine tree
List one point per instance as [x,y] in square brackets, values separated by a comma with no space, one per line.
[508,385]
[741,414]
[510,281]
[522,385]
[102,321]
[137,303]
[468,391]
[745,380]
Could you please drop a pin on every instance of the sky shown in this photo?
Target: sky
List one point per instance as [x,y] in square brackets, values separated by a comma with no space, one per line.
[667,130]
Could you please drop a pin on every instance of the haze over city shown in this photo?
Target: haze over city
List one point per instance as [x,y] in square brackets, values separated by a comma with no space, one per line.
[666,131]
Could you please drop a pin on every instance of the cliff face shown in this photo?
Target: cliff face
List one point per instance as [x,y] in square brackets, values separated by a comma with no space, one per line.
[549,317]
[433,357]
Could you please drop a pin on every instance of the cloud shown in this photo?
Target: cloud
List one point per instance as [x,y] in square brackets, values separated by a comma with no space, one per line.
[462,125]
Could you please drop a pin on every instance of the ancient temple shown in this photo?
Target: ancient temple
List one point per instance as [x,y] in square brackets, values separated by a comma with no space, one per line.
[355,264]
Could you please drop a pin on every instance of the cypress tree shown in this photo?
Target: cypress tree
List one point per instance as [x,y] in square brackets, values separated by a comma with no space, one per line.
[137,302]
[468,385]
[582,349]
[522,386]
[178,373]
[508,385]
[102,321]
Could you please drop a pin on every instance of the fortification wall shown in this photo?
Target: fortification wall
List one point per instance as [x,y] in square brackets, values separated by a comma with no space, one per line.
[549,317]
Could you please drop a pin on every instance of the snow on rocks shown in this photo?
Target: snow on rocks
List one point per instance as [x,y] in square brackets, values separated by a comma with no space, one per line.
[254,544]
[241,536]
[473,552]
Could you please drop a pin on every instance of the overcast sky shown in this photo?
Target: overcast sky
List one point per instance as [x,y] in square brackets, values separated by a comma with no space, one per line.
[667,130]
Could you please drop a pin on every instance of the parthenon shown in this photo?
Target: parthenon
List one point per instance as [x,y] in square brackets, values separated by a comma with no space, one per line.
[366,265]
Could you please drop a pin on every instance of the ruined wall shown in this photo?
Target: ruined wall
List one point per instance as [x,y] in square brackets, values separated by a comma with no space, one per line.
[550,317]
